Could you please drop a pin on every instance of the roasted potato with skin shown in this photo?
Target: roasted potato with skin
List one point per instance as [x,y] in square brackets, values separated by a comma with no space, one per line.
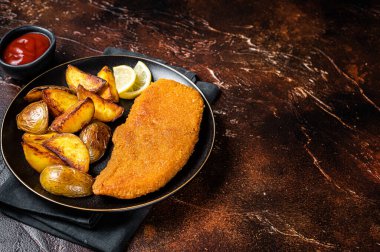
[39,139]
[109,91]
[70,149]
[96,137]
[36,93]
[66,181]
[74,118]
[76,77]
[34,118]
[39,157]
[105,111]
[58,100]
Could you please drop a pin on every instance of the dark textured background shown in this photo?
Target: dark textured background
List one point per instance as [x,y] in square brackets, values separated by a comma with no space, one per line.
[296,163]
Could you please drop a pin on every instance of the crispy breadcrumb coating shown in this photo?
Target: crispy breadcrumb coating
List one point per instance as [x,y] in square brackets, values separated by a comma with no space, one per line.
[154,143]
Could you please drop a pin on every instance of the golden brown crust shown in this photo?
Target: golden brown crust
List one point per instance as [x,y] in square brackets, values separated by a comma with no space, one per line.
[36,93]
[74,118]
[156,141]
[58,100]
[76,77]
[105,111]
[70,149]
[109,91]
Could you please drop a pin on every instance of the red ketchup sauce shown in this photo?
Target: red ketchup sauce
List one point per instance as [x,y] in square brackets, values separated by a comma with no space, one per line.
[26,48]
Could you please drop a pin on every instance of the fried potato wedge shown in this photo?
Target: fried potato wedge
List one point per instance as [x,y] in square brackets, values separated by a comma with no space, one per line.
[76,77]
[39,139]
[58,100]
[34,118]
[74,118]
[109,91]
[66,181]
[105,111]
[35,94]
[70,149]
[39,157]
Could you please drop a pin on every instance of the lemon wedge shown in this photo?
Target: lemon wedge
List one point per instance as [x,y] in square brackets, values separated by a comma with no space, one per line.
[125,77]
[143,79]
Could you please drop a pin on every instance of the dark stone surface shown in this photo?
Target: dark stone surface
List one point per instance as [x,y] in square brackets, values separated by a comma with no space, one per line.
[296,163]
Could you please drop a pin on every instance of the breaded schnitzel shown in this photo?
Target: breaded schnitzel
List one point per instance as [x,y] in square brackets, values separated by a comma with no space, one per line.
[154,143]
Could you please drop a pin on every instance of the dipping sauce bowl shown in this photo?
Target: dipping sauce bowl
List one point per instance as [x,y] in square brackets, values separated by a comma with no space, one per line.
[26,51]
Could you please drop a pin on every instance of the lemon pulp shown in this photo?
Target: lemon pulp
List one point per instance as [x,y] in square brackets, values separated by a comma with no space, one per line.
[142,81]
